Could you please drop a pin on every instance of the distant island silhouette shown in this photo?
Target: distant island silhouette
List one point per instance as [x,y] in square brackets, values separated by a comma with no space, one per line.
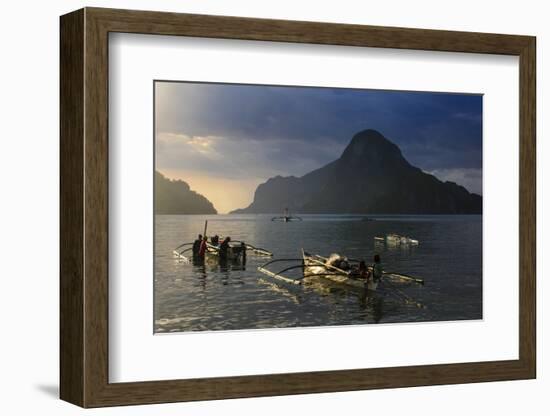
[176,197]
[370,177]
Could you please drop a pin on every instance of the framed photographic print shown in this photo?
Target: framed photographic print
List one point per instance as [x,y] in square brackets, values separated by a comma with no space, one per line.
[256,207]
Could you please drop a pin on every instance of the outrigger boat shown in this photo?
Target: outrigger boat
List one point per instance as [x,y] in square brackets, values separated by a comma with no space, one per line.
[314,265]
[249,247]
[286,217]
[325,268]
[236,251]
[396,239]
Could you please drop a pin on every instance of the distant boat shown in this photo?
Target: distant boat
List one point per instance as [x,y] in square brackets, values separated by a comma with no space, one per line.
[396,239]
[286,217]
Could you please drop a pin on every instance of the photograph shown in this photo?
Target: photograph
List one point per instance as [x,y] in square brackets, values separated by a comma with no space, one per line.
[282,206]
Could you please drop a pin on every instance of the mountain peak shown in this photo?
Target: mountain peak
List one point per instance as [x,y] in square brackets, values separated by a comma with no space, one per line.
[371,145]
[371,176]
[369,134]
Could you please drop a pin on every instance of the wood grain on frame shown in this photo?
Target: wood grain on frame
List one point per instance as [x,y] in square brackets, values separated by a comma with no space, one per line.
[72,215]
[84,207]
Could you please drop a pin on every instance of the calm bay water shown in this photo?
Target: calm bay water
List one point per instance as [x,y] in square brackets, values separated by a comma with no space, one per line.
[210,297]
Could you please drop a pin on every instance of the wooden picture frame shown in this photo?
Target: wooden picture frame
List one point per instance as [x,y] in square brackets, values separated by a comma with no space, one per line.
[84,207]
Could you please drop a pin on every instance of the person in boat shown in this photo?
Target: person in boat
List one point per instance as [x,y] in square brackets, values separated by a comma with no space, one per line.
[344,264]
[338,261]
[197,246]
[224,247]
[203,247]
[215,240]
[377,270]
[243,252]
[363,270]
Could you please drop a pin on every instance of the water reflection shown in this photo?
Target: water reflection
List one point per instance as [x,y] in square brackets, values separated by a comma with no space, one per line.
[281,290]
[373,305]
[211,295]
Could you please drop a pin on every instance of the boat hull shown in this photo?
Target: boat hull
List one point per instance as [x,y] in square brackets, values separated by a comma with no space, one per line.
[314,267]
[233,253]
[395,240]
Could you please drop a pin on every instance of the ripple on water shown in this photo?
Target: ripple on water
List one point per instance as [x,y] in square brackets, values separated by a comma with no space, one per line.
[189,298]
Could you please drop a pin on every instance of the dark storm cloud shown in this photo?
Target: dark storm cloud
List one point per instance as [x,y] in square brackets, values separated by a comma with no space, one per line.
[304,127]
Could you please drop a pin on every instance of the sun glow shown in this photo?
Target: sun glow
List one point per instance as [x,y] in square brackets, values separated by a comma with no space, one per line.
[226,194]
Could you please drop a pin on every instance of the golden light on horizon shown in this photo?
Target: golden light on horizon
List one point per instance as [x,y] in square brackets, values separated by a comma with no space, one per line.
[225,194]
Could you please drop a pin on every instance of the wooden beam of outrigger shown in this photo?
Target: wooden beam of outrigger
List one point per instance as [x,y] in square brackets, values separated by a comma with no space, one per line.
[401,276]
[278,275]
[260,251]
[183,245]
[256,250]
[405,277]
[180,255]
[326,265]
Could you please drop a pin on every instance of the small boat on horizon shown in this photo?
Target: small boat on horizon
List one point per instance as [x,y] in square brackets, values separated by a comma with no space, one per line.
[286,217]
[396,239]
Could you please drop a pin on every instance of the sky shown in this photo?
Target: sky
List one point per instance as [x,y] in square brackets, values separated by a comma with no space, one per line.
[226,139]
